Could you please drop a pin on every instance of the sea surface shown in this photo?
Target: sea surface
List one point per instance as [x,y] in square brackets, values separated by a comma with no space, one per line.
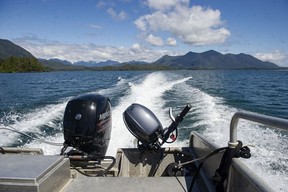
[33,103]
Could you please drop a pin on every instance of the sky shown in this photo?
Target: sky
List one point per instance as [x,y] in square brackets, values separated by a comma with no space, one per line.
[145,30]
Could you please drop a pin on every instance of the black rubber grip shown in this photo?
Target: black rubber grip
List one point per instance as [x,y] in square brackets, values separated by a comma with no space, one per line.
[185,111]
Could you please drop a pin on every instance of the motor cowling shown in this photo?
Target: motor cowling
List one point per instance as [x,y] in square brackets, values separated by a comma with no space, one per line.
[142,123]
[87,123]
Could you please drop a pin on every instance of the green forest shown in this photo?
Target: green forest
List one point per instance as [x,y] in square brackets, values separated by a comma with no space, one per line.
[21,64]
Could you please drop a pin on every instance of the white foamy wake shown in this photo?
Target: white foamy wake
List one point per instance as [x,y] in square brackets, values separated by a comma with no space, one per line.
[148,93]
[48,149]
[269,156]
[31,122]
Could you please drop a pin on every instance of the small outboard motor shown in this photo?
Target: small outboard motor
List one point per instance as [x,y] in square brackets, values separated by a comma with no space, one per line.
[87,124]
[143,124]
[146,127]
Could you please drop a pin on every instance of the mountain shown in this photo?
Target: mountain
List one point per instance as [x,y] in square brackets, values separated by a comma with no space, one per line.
[107,63]
[214,60]
[96,64]
[55,60]
[61,65]
[14,58]
[8,49]
[133,62]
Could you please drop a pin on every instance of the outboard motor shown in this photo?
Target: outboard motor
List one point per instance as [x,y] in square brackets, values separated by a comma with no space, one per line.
[143,124]
[87,124]
[146,127]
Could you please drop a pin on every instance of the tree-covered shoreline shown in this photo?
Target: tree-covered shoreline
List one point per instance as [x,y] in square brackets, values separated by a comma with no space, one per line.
[21,64]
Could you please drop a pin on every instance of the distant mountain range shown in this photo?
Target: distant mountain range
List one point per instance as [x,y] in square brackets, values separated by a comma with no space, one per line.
[214,60]
[61,65]
[96,64]
[207,60]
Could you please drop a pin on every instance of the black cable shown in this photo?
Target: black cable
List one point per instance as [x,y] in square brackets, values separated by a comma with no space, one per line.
[204,158]
[99,174]
[65,146]
[176,130]
[201,164]
[111,165]
[2,150]
[179,181]
[162,156]
[222,172]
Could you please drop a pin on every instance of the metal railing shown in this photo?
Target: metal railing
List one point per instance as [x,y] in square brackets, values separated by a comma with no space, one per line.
[254,117]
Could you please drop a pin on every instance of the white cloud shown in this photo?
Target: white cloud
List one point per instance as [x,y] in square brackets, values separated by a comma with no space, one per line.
[122,15]
[165,4]
[276,57]
[95,26]
[45,49]
[100,4]
[153,40]
[136,47]
[194,25]
[112,12]
[171,42]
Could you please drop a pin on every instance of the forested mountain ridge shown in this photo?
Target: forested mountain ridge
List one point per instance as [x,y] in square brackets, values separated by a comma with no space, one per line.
[8,49]
[14,58]
[214,60]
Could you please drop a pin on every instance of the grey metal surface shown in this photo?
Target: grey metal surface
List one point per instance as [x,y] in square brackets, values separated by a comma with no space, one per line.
[24,151]
[33,173]
[143,172]
[133,163]
[258,118]
[240,178]
[26,167]
[131,184]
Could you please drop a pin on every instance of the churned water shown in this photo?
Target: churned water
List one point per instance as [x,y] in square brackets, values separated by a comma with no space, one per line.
[34,103]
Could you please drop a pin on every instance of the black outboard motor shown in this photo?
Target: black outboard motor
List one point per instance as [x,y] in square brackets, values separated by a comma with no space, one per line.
[87,124]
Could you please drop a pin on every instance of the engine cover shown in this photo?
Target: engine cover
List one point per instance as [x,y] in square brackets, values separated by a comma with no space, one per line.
[87,123]
[142,123]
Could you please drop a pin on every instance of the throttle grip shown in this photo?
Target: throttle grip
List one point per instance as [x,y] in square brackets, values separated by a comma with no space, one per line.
[185,110]
[180,117]
[173,126]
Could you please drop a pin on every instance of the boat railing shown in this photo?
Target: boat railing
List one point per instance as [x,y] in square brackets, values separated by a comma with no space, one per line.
[254,117]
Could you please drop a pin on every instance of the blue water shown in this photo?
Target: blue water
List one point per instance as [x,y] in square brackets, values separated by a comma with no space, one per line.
[34,104]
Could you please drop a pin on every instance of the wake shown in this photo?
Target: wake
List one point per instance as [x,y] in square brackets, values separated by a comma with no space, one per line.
[149,92]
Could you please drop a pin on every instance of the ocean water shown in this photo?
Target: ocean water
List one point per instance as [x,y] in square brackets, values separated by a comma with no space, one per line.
[33,103]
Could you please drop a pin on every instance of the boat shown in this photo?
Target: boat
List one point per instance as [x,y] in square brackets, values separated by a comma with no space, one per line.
[83,166]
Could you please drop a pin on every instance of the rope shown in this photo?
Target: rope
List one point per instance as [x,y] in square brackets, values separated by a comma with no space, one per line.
[31,137]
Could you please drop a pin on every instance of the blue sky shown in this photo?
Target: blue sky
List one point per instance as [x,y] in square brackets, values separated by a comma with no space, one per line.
[126,30]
